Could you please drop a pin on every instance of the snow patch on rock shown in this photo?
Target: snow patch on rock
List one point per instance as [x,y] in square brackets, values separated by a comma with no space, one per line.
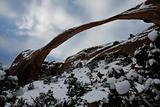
[131,75]
[153,35]
[111,82]
[123,87]
[2,75]
[139,87]
[152,61]
[95,95]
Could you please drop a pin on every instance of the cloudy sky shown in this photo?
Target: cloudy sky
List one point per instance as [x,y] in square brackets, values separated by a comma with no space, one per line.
[30,24]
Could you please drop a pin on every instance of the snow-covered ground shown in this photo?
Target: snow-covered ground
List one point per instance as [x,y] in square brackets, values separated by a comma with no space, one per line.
[124,80]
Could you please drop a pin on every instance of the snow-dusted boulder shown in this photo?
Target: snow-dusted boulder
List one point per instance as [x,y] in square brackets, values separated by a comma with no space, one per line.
[153,35]
[148,83]
[152,61]
[95,95]
[111,81]
[13,78]
[139,87]
[2,75]
[131,75]
[123,87]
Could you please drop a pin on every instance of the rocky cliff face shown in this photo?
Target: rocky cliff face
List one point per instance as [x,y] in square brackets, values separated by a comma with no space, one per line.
[108,50]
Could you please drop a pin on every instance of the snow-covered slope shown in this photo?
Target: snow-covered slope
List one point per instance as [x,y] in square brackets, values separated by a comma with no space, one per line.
[116,80]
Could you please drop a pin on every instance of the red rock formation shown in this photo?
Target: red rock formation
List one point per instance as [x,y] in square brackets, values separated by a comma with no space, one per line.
[27,67]
[100,52]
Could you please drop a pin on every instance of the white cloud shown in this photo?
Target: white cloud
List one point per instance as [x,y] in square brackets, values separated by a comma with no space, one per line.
[95,8]
[98,9]
[44,20]
[10,45]
[26,23]
[45,16]
[5,10]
